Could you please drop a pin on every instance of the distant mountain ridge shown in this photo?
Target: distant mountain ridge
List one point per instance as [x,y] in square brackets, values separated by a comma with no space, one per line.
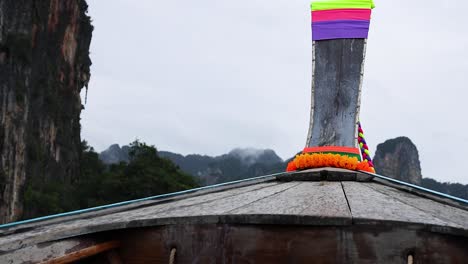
[397,158]
[115,154]
[240,163]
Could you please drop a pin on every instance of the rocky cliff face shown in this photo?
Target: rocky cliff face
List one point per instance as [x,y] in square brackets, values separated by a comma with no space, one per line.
[44,64]
[114,154]
[398,158]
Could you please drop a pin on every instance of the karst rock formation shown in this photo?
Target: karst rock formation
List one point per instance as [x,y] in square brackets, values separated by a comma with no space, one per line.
[398,158]
[44,64]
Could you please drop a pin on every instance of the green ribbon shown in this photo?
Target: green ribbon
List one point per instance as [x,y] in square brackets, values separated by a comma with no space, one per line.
[341,4]
[351,155]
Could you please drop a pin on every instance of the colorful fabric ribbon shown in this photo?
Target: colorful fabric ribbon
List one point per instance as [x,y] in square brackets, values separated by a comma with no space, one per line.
[337,19]
[340,4]
[364,148]
[341,14]
[344,151]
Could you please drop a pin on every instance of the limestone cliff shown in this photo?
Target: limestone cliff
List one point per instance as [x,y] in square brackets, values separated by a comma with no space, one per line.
[398,158]
[44,64]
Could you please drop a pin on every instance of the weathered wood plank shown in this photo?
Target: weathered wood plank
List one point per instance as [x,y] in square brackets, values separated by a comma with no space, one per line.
[202,200]
[292,203]
[44,252]
[368,205]
[421,193]
[121,219]
[133,206]
[439,210]
[227,204]
[290,244]
[134,217]
[336,83]
[323,200]
[84,253]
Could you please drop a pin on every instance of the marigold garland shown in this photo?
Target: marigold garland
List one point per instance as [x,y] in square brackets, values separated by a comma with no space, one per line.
[320,160]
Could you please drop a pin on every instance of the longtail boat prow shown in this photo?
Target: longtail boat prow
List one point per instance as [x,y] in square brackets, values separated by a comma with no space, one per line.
[329,207]
[339,37]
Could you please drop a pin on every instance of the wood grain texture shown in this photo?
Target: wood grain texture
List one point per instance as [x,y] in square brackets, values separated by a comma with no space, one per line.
[421,193]
[442,211]
[56,251]
[43,252]
[370,206]
[228,204]
[336,85]
[134,206]
[289,244]
[263,203]
[300,203]
[152,215]
[323,200]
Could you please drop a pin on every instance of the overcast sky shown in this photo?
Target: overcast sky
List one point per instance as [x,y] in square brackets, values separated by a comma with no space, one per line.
[208,76]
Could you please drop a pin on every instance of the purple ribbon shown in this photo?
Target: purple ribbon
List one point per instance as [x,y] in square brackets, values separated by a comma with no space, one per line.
[340,29]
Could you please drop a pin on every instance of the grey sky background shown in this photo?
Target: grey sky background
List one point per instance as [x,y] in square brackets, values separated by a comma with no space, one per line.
[208,76]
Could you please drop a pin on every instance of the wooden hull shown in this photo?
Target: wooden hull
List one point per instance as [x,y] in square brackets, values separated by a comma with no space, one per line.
[336,90]
[231,243]
[315,216]
[290,244]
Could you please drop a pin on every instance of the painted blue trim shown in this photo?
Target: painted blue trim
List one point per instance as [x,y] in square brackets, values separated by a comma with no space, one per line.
[419,188]
[102,207]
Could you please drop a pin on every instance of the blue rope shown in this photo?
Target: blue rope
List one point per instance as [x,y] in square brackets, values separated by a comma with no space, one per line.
[157,197]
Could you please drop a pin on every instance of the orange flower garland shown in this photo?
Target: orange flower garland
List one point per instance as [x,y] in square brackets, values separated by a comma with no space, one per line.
[320,160]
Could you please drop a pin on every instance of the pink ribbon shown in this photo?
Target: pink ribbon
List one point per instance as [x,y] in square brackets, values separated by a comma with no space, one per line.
[341,14]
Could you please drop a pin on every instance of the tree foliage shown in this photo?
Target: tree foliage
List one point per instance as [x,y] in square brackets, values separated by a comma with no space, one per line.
[146,174]
[454,189]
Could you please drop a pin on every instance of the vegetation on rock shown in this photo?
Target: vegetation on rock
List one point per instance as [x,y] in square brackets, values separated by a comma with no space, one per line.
[145,174]
[398,158]
[454,189]
[44,64]
[236,165]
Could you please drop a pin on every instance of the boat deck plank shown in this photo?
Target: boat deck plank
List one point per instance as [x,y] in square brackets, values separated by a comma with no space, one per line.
[323,200]
[368,205]
[273,202]
[441,211]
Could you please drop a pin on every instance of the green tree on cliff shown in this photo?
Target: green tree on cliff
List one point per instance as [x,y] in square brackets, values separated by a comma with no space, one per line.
[146,174]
